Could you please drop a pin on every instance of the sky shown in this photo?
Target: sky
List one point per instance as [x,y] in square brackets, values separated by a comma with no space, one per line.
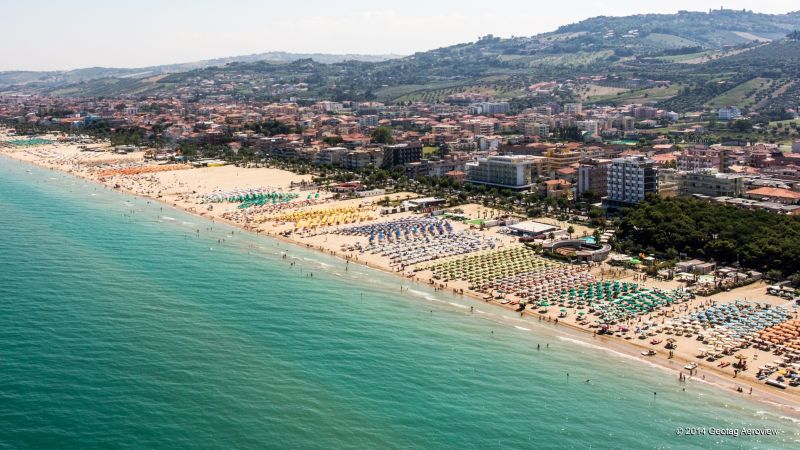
[65,34]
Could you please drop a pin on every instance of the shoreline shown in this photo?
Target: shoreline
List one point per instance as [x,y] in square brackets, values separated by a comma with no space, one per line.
[627,348]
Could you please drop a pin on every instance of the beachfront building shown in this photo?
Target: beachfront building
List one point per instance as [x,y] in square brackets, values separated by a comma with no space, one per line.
[593,177]
[434,167]
[710,183]
[506,172]
[331,156]
[401,154]
[629,180]
[361,158]
[532,228]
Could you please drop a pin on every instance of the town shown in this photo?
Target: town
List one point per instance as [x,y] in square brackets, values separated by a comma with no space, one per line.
[556,152]
[615,200]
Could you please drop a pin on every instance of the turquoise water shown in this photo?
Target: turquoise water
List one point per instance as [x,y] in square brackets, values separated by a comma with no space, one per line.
[121,326]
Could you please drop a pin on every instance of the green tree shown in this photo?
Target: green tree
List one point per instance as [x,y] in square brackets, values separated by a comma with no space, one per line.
[382,135]
[332,140]
[741,125]
[757,240]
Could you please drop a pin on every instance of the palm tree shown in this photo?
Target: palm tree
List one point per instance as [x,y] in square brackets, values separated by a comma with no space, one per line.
[570,230]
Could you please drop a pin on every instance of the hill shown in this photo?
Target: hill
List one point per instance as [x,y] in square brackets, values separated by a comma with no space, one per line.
[715,29]
[22,79]
[703,55]
[762,78]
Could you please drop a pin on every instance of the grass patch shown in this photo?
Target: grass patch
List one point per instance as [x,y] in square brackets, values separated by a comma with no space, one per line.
[571,59]
[687,57]
[741,95]
[648,95]
[669,40]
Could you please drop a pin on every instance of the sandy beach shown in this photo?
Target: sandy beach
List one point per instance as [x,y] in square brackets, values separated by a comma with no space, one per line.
[317,219]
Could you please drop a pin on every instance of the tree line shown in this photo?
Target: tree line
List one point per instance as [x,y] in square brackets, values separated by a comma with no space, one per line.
[758,240]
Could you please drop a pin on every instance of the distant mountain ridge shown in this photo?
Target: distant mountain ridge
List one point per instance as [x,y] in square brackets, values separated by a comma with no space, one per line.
[713,29]
[64,77]
[701,56]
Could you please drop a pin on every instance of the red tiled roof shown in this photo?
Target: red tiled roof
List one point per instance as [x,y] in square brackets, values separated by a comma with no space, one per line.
[664,157]
[775,192]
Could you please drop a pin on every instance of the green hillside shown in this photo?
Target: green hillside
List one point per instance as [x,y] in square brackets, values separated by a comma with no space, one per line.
[709,58]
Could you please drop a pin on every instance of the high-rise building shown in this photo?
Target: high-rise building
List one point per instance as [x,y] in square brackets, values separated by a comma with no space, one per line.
[401,154]
[593,177]
[629,180]
[506,172]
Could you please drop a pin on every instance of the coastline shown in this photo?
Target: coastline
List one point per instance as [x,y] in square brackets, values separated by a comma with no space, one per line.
[719,379]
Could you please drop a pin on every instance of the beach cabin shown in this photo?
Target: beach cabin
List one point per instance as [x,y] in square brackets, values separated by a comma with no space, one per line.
[687,266]
[696,266]
[705,268]
[425,204]
[530,228]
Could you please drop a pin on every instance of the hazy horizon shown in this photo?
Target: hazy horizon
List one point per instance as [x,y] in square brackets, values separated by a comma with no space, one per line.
[103,34]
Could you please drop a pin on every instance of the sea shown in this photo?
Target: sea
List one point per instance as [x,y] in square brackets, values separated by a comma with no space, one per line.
[126,323]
